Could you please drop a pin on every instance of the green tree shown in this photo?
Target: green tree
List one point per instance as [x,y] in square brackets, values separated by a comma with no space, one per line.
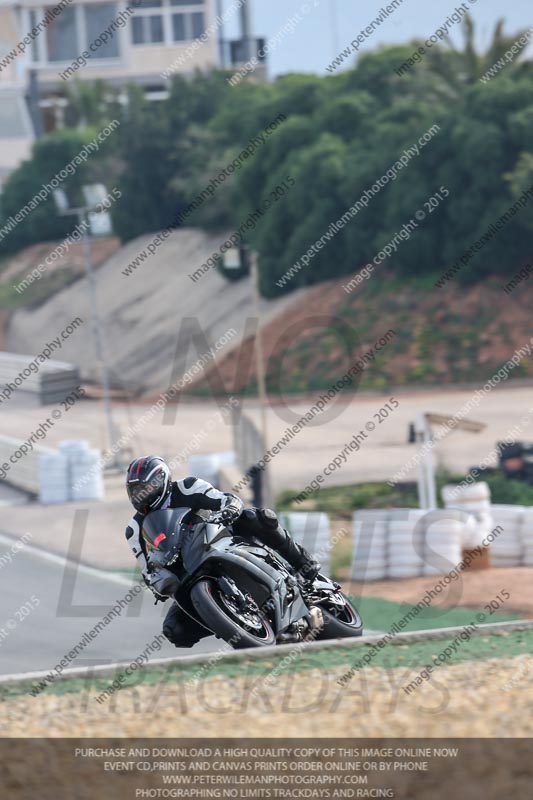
[91,103]
[520,179]
[50,155]
[145,145]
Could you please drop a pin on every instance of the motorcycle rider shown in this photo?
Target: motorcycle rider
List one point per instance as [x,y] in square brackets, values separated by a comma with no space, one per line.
[151,488]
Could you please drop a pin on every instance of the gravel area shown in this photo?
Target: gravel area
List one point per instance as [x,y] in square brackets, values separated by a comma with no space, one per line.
[474,589]
[463,700]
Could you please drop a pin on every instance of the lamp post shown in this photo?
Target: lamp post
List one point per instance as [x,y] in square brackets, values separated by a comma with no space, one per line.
[94,195]
[259,353]
[244,258]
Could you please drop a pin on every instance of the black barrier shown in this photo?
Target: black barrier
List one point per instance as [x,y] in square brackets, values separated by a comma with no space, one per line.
[408,769]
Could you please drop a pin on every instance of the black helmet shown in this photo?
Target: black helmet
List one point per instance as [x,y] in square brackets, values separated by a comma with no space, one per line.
[148,483]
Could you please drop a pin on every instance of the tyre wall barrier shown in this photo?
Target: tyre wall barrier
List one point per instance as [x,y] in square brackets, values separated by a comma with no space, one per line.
[313,531]
[407,542]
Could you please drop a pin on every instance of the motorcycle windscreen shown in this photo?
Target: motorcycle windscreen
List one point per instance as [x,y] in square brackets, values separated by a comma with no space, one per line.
[162,532]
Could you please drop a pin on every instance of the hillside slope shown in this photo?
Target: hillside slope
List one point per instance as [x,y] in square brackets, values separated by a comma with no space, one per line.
[452,335]
[456,334]
[37,272]
[142,313]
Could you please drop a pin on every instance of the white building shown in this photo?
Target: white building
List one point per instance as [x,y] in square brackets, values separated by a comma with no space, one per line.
[151,35]
[118,41]
[16,129]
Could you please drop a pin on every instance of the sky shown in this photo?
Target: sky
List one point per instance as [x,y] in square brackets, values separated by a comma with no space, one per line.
[331,25]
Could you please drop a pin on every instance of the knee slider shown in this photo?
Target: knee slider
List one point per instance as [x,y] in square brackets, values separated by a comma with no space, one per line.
[172,635]
[179,637]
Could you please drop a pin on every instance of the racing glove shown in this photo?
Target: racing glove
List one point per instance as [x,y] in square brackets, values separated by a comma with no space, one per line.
[231,511]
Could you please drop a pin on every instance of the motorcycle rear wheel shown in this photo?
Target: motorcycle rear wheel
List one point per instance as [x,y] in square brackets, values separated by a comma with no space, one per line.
[340,624]
[240,629]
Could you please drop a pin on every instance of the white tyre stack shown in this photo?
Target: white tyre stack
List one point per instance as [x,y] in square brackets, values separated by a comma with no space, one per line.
[445,541]
[508,547]
[85,471]
[312,530]
[407,543]
[53,478]
[72,473]
[475,500]
[527,537]
[86,476]
[370,533]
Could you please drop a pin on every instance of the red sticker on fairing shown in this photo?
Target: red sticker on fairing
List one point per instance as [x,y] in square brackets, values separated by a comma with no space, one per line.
[158,539]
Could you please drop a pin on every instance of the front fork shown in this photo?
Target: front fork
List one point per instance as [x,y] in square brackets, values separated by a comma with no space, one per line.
[323,589]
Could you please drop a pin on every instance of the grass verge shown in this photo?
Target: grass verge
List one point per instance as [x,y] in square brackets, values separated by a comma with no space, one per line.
[379,614]
[394,655]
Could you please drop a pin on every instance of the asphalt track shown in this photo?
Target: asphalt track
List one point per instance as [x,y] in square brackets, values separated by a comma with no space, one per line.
[72,602]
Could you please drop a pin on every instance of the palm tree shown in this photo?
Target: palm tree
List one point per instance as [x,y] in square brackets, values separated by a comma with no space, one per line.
[458,69]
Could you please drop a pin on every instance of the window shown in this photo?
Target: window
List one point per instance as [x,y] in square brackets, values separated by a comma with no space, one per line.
[168,24]
[98,18]
[147,29]
[198,25]
[78,26]
[73,31]
[187,26]
[156,29]
[178,28]
[61,36]
[137,30]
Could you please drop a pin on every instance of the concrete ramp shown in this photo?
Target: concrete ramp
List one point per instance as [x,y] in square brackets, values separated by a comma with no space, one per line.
[143,311]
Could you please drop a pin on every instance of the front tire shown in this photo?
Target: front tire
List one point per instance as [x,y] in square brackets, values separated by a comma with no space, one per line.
[345,623]
[240,629]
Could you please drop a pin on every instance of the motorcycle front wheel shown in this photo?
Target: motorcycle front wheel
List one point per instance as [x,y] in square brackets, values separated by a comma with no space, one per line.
[239,627]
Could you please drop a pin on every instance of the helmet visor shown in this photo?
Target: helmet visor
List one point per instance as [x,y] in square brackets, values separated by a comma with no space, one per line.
[144,495]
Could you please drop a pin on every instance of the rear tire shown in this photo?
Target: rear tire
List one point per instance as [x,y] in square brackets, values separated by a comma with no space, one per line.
[344,625]
[208,601]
